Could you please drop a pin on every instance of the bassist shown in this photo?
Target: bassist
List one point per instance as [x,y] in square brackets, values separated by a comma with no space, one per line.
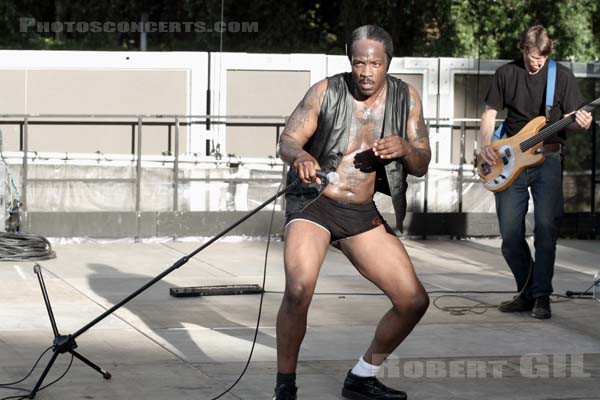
[519,86]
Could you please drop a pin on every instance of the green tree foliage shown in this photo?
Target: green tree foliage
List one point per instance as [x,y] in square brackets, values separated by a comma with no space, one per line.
[442,28]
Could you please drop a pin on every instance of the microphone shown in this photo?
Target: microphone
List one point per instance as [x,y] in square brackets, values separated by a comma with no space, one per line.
[329,177]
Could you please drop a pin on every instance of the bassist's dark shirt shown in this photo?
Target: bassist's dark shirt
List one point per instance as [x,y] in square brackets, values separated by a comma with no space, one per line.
[524,95]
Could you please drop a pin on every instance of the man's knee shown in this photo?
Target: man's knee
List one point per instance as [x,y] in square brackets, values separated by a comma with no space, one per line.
[513,242]
[298,296]
[415,304]
[546,231]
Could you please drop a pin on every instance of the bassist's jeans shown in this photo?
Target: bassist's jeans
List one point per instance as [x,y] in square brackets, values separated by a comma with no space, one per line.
[545,181]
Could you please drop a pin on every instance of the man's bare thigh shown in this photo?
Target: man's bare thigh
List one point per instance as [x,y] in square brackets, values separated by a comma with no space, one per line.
[381,258]
[305,248]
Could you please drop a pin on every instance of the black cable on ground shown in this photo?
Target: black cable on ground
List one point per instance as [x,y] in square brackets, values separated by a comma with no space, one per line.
[24,247]
[8,384]
[480,307]
[60,377]
[260,306]
[24,396]
[17,397]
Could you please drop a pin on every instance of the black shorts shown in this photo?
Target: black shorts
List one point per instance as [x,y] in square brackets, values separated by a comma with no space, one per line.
[341,220]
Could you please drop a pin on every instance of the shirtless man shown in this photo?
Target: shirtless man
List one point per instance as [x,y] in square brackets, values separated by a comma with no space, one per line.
[369,128]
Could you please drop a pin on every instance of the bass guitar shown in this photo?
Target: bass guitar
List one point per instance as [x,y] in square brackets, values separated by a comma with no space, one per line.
[521,150]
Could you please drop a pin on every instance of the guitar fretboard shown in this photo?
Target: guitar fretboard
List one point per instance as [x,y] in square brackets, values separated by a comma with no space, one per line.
[555,127]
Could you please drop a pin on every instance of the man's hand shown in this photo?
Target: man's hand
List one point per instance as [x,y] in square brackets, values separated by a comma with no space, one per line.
[488,120]
[366,161]
[489,154]
[306,167]
[391,147]
[414,151]
[583,119]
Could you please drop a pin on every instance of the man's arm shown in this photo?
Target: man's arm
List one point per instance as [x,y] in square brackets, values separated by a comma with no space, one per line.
[415,152]
[488,123]
[299,128]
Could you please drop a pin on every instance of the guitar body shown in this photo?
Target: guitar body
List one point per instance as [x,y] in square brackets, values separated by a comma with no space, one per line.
[512,160]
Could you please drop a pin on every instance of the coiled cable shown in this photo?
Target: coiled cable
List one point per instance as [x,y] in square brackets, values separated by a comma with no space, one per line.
[24,247]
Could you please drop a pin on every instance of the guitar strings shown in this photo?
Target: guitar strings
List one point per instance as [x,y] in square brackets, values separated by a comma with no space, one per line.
[548,131]
[545,133]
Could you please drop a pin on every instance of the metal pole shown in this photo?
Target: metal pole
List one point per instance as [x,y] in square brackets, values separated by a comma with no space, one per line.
[138,177]
[594,160]
[38,272]
[460,167]
[24,172]
[284,172]
[208,99]
[21,137]
[594,179]
[277,135]
[169,140]
[176,168]
[143,33]
[426,183]
[132,138]
[284,169]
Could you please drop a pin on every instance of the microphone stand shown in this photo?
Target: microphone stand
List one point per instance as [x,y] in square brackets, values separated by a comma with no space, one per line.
[66,343]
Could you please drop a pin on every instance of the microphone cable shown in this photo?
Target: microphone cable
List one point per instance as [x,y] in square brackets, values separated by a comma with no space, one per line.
[480,307]
[260,306]
[10,385]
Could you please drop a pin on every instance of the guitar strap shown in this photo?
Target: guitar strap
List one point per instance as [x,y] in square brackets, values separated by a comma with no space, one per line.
[550,85]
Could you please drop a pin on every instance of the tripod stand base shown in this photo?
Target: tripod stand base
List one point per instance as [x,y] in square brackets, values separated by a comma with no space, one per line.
[62,343]
[38,386]
[105,374]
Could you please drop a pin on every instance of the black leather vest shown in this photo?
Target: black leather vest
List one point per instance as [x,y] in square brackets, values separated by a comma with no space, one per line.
[330,142]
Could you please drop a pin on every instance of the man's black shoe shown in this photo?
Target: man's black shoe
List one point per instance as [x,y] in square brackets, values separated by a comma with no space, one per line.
[369,388]
[517,304]
[285,392]
[541,310]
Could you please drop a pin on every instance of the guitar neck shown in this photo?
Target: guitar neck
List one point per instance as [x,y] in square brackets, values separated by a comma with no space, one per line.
[556,127]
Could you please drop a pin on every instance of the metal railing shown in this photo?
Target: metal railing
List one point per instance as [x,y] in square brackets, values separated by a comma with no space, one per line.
[173,123]
[136,122]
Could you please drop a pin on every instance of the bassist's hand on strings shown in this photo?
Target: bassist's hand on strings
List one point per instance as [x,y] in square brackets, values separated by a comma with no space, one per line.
[583,120]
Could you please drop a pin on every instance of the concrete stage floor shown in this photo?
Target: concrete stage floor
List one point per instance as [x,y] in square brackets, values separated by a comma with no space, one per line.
[161,347]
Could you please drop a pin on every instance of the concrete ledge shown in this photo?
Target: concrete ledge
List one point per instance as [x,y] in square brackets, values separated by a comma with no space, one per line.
[181,224]
[148,224]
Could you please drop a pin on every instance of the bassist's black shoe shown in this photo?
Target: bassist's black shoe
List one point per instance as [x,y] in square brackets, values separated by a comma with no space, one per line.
[541,309]
[517,304]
